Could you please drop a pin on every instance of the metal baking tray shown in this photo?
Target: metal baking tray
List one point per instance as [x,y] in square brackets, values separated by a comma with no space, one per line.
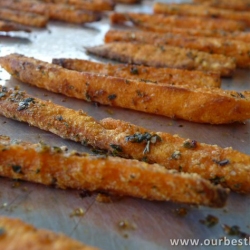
[127,223]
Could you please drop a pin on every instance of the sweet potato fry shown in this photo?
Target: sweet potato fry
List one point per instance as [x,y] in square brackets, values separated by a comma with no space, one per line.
[25,5]
[16,234]
[238,50]
[130,141]
[51,166]
[69,13]
[243,36]
[95,5]
[205,105]
[220,165]
[241,5]
[137,72]
[165,56]
[25,18]
[11,26]
[200,23]
[201,11]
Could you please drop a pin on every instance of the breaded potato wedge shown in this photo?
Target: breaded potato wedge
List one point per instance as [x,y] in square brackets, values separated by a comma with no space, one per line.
[204,105]
[165,56]
[200,10]
[139,72]
[12,26]
[231,48]
[22,17]
[124,177]
[129,141]
[243,36]
[241,5]
[187,22]
[95,5]
[69,13]
[16,234]
[25,5]
[226,166]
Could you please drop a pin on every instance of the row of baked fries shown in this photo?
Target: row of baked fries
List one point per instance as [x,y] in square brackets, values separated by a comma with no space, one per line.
[21,15]
[178,53]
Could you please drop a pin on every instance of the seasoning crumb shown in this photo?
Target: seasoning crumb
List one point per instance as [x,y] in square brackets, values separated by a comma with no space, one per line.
[235,231]
[77,212]
[210,221]
[182,211]
[103,198]
[109,111]
[126,225]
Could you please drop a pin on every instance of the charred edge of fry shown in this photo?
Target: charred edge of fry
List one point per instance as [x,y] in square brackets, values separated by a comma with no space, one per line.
[116,175]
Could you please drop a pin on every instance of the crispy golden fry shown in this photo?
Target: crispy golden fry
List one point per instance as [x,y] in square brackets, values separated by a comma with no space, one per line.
[25,5]
[69,13]
[25,18]
[137,72]
[241,5]
[130,141]
[205,105]
[16,234]
[11,26]
[237,49]
[176,21]
[201,11]
[165,56]
[236,35]
[220,165]
[51,166]
[95,5]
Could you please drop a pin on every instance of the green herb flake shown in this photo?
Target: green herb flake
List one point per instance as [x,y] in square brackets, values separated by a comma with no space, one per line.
[191,144]
[17,169]
[25,103]
[134,70]
[210,221]
[118,148]
[222,162]
[176,155]
[112,97]
[217,180]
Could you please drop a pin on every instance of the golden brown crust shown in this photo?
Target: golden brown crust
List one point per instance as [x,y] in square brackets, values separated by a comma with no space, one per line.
[24,5]
[95,5]
[25,18]
[111,136]
[139,72]
[11,26]
[236,49]
[199,23]
[51,166]
[226,166]
[165,56]
[201,11]
[206,105]
[16,234]
[69,13]
[241,5]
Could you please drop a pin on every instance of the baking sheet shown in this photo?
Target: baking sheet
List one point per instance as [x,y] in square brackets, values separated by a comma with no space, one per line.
[148,225]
